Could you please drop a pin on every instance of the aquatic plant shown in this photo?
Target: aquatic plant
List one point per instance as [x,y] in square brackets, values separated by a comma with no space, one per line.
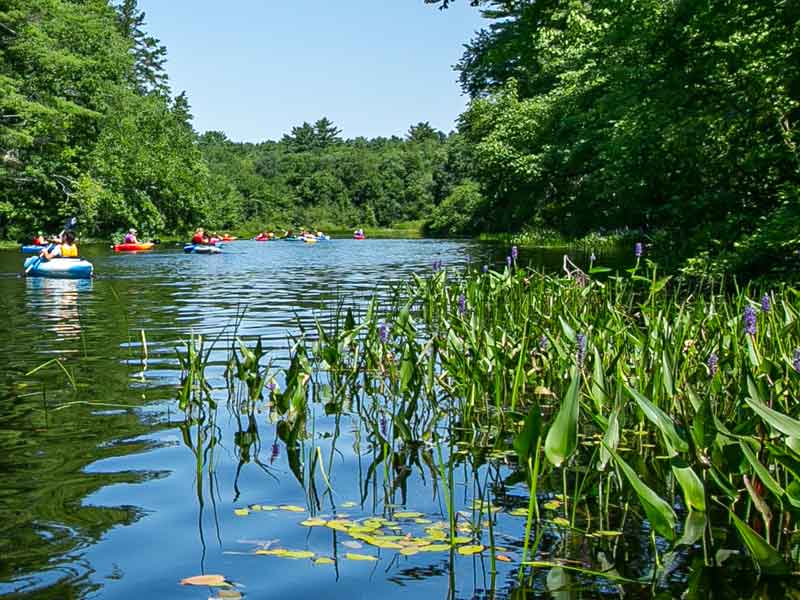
[640,430]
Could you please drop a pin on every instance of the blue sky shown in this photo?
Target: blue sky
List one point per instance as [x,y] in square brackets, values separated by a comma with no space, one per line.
[255,68]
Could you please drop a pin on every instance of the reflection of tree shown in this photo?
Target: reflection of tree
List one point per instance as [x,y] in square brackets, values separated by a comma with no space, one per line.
[44,524]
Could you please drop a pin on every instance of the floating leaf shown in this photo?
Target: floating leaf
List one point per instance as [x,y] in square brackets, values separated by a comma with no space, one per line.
[551,505]
[436,534]
[410,551]
[297,554]
[241,512]
[339,524]
[461,540]
[423,521]
[354,556]
[519,512]
[503,558]
[313,523]
[469,550]
[407,515]
[292,508]
[272,551]
[561,522]
[205,580]
[324,560]
[435,548]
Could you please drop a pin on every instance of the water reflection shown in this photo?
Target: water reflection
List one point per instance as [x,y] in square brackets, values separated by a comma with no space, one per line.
[55,303]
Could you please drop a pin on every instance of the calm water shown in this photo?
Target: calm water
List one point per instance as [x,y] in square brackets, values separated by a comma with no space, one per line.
[100,494]
[109,492]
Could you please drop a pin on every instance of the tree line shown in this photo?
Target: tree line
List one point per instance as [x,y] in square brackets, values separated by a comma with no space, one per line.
[89,126]
[675,119]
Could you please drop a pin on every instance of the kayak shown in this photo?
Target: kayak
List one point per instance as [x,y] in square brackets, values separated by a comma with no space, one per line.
[201,249]
[259,238]
[62,268]
[310,240]
[133,247]
[229,238]
[359,237]
[32,249]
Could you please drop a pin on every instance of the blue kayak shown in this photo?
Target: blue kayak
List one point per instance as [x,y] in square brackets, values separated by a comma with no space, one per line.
[32,249]
[201,249]
[60,268]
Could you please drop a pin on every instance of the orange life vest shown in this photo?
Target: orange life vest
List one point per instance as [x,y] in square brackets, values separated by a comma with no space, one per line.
[69,251]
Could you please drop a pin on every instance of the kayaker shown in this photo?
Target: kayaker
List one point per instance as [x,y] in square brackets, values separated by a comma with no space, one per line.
[39,240]
[67,248]
[130,237]
[200,236]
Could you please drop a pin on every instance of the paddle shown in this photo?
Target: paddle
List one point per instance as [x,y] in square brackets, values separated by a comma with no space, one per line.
[70,224]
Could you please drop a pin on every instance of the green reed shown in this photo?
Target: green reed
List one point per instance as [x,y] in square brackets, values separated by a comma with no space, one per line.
[636,396]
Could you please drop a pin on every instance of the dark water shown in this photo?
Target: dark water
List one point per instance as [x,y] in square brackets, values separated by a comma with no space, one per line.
[110,492]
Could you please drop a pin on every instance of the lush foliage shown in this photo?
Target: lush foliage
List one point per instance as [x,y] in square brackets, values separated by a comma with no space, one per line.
[312,176]
[86,123]
[657,116]
[618,393]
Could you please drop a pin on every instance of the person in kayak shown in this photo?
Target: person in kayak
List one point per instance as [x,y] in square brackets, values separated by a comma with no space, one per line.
[130,237]
[200,237]
[67,248]
[39,240]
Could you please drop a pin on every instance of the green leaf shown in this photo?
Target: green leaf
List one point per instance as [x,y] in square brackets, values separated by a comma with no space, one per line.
[660,419]
[762,472]
[765,556]
[692,486]
[660,514]
[783,423]
[531,431]
[562,438]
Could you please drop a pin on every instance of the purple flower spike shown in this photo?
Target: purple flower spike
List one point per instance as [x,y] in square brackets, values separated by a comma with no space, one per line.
[796,360]
[485,268]
[766,303]
[580,339]
[271,386]
[713,364]
[638,249]
[514,253]
[383,331]
[544,343]
[749,319]
[462,305]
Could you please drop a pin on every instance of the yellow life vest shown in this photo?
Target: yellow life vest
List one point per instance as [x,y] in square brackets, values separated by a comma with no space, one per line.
[69,251]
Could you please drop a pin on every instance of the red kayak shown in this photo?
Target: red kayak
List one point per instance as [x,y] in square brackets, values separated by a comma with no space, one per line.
[133,247]
[261,238]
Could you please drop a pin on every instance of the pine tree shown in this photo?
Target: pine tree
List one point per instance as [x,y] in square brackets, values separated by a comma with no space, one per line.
[150,56]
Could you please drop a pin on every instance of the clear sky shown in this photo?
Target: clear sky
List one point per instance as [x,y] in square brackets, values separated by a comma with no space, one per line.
[255,68]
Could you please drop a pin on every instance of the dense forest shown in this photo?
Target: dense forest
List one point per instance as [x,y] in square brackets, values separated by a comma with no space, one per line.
[655,117]
[678,119]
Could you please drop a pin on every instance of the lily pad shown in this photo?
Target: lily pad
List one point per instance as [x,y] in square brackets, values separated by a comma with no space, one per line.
[364,557]
[292,508]
[313,523]
[241,512]
[324,560]
[408,515]
[469,550]
[205,580]
[435,548]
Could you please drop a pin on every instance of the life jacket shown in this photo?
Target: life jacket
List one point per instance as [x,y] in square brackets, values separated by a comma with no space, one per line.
[69,251]
[198,238]
[39,240]
[130,238]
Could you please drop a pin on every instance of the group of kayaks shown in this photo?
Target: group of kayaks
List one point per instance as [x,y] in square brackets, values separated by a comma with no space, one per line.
[80,268]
